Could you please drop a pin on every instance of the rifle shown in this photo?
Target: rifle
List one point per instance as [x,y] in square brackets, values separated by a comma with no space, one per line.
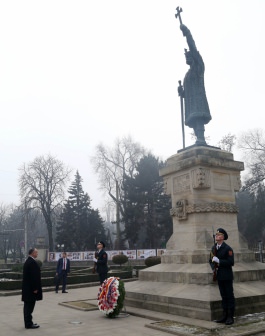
[214,255]
[95,264]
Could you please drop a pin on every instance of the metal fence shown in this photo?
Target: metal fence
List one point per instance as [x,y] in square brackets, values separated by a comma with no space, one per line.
[258,250]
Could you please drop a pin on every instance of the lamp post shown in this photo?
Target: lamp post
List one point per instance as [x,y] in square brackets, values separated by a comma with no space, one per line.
[60,247]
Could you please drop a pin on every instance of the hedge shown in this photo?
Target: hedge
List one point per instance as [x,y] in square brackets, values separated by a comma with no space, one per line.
[71,279]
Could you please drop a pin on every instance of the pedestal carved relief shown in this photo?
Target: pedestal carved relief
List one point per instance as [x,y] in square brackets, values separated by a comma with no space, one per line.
[181,183]
[200,178]
[182,208]
[212,207]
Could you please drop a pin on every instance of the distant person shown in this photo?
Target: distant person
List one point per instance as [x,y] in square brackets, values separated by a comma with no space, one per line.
[101,262]
[222,259]
[62,270]
[31,287]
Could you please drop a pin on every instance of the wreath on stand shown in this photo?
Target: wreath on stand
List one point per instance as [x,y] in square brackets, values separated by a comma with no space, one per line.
[111,297]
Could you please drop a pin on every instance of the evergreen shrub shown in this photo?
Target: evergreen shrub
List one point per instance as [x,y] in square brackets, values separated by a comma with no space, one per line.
[152,261]
[120,259]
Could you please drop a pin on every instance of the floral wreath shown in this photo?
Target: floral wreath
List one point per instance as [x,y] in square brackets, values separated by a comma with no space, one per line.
[111,296]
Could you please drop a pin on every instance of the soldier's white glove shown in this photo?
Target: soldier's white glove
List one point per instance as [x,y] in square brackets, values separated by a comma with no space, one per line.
[95,260]
[215,259]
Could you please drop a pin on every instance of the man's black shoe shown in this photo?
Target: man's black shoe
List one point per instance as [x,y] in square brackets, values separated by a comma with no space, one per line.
[230,317]
[56,291]
[33,326]
[64,292]
[223,318]
[229,321]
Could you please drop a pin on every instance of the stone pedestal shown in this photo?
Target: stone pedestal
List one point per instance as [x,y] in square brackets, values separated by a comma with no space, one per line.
[202,182]
[42,249]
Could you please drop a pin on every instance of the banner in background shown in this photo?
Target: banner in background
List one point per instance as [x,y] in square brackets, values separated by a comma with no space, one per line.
[89,255]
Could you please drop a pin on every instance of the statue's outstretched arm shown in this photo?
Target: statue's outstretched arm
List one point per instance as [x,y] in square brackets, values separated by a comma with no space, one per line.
[186,32]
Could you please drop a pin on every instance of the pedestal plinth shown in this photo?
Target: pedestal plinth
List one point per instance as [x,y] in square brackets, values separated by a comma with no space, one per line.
[202,182]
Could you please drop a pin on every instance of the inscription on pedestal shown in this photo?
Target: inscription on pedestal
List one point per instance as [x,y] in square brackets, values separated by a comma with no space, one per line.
[181,183]
[221,181]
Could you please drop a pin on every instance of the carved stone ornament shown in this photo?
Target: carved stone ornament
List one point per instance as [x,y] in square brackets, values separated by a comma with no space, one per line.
[200,178]
[182,208]
[212,207]
[181,183]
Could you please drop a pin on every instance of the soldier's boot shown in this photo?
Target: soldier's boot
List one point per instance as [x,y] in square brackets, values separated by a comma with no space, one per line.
[224,318]
[230,317]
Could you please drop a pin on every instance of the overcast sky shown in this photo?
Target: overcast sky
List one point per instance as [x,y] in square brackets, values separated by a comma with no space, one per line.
[74,74]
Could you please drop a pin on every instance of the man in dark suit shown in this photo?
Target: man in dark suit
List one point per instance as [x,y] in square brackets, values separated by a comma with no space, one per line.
[31,287]
[223,259]
[62,270]
[101,262]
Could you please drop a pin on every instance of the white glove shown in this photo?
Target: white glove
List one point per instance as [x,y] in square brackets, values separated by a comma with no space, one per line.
[95,260]
[215,259]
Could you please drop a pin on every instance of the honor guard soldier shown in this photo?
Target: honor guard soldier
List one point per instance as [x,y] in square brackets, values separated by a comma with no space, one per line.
[101,262]
[221,261]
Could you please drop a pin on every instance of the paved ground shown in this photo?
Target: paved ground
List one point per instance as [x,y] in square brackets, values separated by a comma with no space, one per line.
[55,319]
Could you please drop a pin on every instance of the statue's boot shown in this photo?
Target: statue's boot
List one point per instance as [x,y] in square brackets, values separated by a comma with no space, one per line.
[199,132]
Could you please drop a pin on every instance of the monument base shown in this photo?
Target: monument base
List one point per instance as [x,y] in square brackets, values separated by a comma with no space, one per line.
[194,301]
[202,182]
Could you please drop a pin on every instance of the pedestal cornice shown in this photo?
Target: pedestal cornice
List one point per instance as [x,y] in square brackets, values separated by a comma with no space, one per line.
[201,156]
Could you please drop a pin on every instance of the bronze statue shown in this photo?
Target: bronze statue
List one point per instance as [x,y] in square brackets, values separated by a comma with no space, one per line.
[197,112]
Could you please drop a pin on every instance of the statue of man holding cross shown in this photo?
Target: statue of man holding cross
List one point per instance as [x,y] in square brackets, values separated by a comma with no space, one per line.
[197,112]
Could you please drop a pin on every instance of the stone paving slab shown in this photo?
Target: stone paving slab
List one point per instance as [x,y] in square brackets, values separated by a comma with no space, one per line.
[54,318]
[181,329]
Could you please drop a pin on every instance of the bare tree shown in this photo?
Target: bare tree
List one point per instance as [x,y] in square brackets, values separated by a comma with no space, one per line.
[42,185]
[4,209]
[252,143]
[113,166]
[4,242]
[227,142]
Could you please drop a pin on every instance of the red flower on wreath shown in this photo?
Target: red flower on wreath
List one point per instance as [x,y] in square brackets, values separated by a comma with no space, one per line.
[108,295]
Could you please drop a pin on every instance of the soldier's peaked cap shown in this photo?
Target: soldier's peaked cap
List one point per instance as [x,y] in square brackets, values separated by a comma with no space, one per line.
[220,230]
[102,243]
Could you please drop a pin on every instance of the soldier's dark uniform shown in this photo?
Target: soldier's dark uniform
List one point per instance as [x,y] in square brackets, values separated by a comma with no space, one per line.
[102,264]
[224,276]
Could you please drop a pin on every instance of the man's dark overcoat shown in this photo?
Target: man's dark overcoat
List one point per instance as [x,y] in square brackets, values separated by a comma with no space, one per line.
[31,281]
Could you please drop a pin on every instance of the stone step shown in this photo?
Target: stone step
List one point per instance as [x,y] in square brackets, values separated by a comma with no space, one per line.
[196,301]
[200,274]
